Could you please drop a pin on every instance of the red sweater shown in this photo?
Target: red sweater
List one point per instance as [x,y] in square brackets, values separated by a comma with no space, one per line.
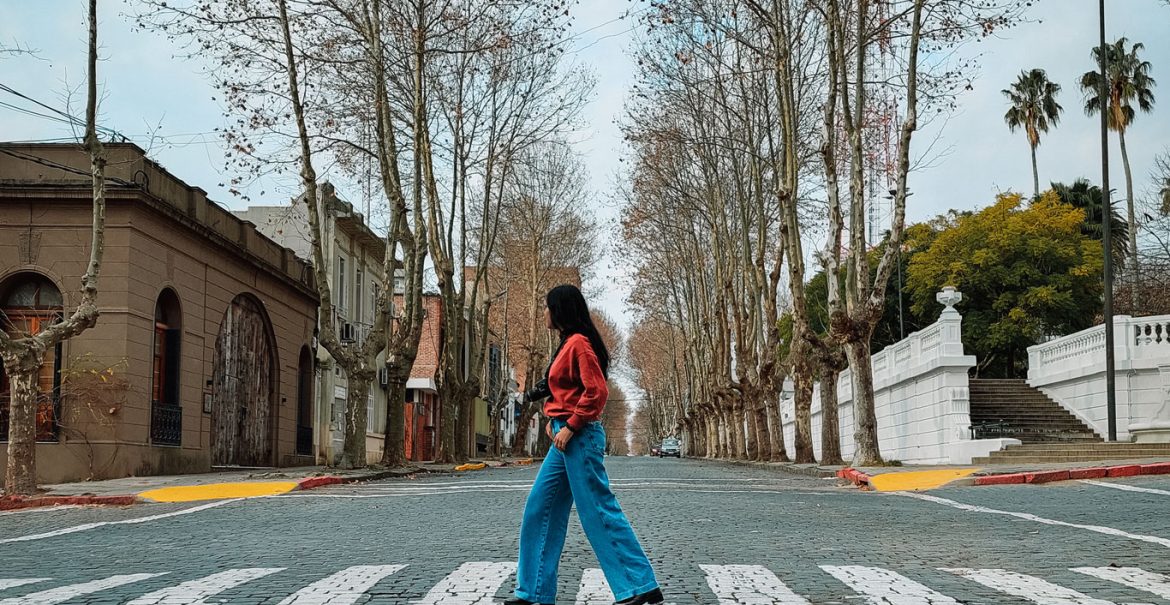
[577,384]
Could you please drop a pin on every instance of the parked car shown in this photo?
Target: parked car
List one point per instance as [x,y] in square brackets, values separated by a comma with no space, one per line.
[655,449]
[670,447]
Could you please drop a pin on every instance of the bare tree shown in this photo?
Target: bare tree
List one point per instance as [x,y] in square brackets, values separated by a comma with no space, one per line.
[502,92]
[23,353]
[545,238]
[863,83]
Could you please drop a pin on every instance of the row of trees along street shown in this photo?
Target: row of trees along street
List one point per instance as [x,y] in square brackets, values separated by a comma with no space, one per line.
[755,125]
[759,127]
[459,111]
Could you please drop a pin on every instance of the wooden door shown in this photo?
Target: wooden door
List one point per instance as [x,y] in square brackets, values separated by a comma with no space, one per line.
[244,387]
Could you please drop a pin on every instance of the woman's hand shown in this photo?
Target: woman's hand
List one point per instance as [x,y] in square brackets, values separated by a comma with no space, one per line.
[562,438]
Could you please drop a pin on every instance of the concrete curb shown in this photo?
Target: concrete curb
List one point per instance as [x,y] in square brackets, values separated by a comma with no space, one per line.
[1096,472]
[855,477]
[21,502]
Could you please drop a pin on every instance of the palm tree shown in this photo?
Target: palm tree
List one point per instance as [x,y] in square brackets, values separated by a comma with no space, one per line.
[1081,194]
[1034,107]
[1128,81]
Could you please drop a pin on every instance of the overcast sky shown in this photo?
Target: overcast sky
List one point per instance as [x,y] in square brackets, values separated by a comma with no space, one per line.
[147,86]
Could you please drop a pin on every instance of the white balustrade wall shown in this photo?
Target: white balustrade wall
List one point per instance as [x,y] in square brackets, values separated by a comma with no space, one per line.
[921,400]
[1071,370]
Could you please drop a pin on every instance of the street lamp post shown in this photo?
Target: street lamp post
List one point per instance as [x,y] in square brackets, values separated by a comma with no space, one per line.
[1106,227]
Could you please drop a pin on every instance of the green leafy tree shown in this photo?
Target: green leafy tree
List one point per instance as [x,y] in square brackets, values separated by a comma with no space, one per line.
[1033,108]
[1130,88]
[1026,272]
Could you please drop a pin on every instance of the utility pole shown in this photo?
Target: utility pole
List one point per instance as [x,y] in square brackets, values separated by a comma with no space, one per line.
[1107,228]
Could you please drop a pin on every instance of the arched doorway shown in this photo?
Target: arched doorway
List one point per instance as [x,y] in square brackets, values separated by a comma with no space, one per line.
[30,302]
[305,403]
[166,411]
[244,376]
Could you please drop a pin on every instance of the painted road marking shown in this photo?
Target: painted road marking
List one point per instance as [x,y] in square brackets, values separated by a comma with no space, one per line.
[415,493]
[749,585]
[1027,587]
[72,591]
[6,583]
[477,583]
[219,491]
[471,584]
[884,587]
[1131,576]
[594,589]
[917,480]
[89,526]
[195,592]
[1101,529]
[342,588]
[1128,488]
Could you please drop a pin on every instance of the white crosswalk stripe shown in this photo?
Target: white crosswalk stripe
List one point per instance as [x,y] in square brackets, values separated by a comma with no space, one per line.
[594,589]
[6,583]
[477,583]
[65,593]
[749,585]
[342,588]
[471,584]
[1027,587]
[884,587]
[1133,577]
[195,592]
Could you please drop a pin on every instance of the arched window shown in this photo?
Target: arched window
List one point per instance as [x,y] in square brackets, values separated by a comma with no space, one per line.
[30,302]
[166,415]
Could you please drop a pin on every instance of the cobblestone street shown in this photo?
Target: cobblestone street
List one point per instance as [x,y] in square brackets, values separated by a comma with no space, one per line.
[717,533]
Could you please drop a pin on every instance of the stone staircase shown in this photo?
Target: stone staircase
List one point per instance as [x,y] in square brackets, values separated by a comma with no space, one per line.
[1042,453]
[1012,409]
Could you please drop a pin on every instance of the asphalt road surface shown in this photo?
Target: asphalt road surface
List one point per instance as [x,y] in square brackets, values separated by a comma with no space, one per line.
[717,534]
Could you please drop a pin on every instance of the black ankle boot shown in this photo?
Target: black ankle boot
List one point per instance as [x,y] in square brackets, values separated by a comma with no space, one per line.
[519,601]
[648,598]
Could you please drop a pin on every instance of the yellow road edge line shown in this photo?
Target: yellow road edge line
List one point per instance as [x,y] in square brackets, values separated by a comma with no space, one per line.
[918,480]
[218,491]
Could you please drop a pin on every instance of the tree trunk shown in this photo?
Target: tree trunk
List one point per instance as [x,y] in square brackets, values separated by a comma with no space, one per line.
[740,435]
[394,443]
[763,435]
[520,439]
[446,451]
[802,379]
[1035,174]
[775,430]
[1132,276]
[21,474]
[830,421]
[752,433]
[724,437]
[865,436]
[464,427]
[353,453]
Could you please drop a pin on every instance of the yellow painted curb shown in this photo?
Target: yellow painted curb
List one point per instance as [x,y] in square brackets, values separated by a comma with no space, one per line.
[218,491]
[471,467]
[918,480]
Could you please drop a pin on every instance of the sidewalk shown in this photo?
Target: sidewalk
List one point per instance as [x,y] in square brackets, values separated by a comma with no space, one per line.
[914,478]
[221,484]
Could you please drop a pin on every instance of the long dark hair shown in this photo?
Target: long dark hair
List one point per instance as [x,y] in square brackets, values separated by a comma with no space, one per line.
[570,315]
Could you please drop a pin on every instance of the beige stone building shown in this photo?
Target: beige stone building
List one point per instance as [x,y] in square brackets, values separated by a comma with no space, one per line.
[202,356]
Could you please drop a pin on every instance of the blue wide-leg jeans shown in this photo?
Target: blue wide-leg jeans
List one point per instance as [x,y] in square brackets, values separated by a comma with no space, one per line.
[577,476]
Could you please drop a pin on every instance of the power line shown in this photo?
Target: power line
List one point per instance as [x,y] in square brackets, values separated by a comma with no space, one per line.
[64,116]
